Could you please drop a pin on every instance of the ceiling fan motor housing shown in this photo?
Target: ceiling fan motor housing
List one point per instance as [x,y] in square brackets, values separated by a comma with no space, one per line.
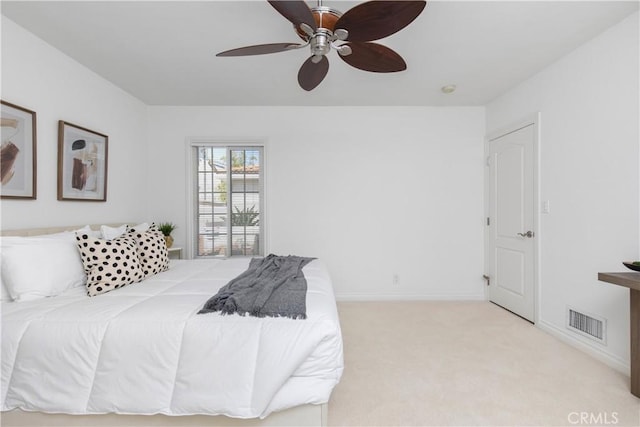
[321,42]
[325,18]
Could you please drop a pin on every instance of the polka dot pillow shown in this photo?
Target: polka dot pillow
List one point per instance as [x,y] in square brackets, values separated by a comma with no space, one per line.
[109,264]
[152,250]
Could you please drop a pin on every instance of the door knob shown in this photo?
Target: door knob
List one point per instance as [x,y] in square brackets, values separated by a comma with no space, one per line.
[487,278]
[527,234]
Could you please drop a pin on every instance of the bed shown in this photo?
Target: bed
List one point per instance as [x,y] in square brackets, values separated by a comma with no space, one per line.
[141,355]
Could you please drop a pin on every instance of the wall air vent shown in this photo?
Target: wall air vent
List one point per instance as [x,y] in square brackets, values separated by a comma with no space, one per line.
[587,325]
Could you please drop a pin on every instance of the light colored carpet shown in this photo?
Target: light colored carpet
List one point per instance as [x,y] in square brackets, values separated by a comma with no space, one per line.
[468,363]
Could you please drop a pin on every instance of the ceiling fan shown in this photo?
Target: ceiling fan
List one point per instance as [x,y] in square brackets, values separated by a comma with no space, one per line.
[350,34]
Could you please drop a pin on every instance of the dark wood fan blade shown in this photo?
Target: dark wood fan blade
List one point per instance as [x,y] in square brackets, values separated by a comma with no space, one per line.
[311,74]
[295,11]
[374,57]
[260,49]
[375,20]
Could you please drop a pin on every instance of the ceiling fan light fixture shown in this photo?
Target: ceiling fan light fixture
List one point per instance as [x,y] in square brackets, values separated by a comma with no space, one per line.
[306,29]
[344,50]
[341,34]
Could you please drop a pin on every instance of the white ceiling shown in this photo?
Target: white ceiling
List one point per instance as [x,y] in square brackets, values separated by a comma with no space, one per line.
[164,52]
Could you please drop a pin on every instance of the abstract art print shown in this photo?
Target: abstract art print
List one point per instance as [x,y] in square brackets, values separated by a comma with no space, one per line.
[17,152]
[82,163]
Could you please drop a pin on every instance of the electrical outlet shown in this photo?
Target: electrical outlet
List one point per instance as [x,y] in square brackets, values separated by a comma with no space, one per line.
[396,278]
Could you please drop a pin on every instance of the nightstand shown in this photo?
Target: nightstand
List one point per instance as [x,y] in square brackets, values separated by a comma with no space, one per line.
[175,253]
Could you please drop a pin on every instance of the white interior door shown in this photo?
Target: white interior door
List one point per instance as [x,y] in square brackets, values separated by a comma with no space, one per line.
[511,235]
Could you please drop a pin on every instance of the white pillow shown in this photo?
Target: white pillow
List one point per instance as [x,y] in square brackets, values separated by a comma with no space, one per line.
[87,230]
[39,267]
[69,236]
[109,233]
[140,228]
[63,235]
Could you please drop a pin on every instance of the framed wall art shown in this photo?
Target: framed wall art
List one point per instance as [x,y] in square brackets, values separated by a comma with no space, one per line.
[17,152]
[82,163]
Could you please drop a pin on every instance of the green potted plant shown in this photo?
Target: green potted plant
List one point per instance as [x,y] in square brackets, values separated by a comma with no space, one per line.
[166,228]
[245,217]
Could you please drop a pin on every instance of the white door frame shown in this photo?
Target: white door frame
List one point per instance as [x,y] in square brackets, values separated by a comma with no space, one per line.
[533,119]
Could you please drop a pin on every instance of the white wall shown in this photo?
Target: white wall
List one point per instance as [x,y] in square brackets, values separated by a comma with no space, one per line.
[589,173]
[371,191]
[39,77]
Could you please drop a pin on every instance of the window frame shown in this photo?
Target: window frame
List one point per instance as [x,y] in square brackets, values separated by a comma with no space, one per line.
[193,144]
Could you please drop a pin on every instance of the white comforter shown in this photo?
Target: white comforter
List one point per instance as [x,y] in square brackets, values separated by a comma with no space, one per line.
[143,349]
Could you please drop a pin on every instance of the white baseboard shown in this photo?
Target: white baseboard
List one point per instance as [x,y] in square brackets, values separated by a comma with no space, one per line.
[608,359]
[409,297]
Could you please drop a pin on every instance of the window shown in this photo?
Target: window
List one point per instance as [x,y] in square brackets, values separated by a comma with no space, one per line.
[229,201]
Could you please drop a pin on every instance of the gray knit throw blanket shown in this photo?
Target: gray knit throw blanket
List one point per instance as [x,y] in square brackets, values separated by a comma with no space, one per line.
[273,286]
